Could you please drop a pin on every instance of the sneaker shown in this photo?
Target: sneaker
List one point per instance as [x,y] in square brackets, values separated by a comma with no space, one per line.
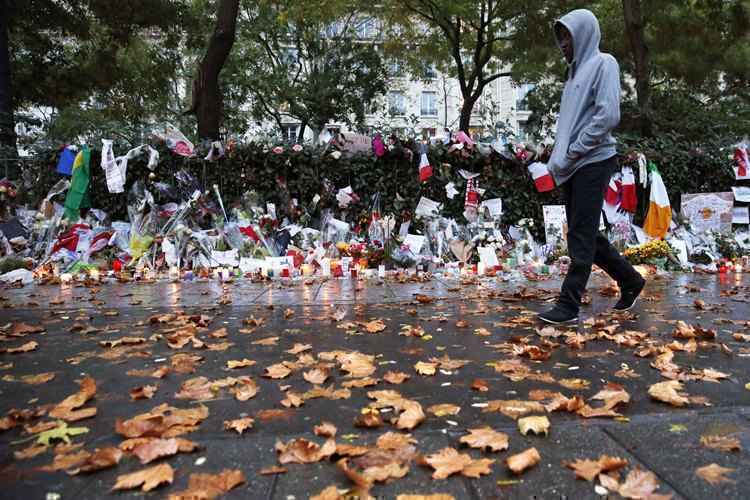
[629,295]
[558,316]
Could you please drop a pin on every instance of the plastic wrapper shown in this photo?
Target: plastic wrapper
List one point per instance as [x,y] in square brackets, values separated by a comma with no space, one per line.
[404,257]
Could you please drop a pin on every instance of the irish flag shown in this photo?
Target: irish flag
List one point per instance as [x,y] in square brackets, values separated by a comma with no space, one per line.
[78,194]
[659,214]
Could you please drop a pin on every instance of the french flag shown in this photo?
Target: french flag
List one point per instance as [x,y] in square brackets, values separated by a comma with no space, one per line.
[425,169]
[542,178]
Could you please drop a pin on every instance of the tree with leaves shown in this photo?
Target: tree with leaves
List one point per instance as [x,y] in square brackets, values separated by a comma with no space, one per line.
[307,61]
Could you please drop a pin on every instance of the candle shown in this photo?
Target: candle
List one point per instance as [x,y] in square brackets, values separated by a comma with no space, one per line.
[94,273]
[66,278]
[481,268]
[188,275]
[307,269]
[738,268]
[381,271]
[224,274]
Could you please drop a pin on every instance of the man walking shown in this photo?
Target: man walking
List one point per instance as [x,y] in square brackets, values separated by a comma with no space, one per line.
[583,161]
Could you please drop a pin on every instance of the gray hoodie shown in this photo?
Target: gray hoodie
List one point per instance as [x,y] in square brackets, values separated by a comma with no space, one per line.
[590,106]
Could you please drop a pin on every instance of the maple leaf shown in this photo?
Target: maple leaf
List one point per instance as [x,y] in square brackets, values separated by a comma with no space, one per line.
[396,377]
[640,484]
[714,474]
[449,461]
[277,371]
[68,408]
[667,392]
[537,425]
[480,385]
[268,341]
[394,441]
[209,486]
[361,382]
[102,458]
[357,365]
[374,326]
[513,408]
[723,443]
[143,392]
[316,375]
[293,399]
[302,451]
[27,347]
[486,437]
[240,424]
[246,389]
[522,461]
[298,348]
[589,469]
[325,429]
[21,329]
[424,368]
[38,379]
[443,410]
[612,395]
[147,478]
[61,431]
[411,416]
[329,493]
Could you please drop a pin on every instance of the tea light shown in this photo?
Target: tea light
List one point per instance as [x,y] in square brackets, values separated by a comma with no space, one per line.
[307,269]
[381,271]
[94,274]
[325,267]
[738,268]
[66,278]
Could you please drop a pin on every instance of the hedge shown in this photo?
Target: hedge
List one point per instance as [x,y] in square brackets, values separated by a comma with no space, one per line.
[685,168]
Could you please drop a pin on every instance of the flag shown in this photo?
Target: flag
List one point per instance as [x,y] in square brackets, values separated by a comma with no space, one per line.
[659,214]
[542,178]
[425,169]
[629,197]
[741,163]
[612,196]
[78,194]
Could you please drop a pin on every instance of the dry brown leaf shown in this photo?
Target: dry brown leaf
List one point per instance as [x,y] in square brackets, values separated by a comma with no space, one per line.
[537,425]
[411,416]
[357,365]
[68,409]
[374,326]
[522,461]
[444,410]
[267,341]
[449,461]
[232,364]
[156,448]
[293,399]
[714,474]
[102,458]
[239,425]
[480,385]
[147,478]
[27,347]
[316,376]
[640,484]
[209,486]
[274,469]
[612,395]
[277,371]
[245,389]
[369,419]
[486,437]
[394,441]
[396,377]
[588,469]
[574,384]
[325,429]
[302,451]
[30,451]
[143,392]
[424,368]
[360,382]
[330,493]
[723,443]
[288,313]
[668,392]
[513,408]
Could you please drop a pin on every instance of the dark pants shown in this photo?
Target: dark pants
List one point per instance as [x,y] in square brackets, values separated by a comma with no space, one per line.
[584,198]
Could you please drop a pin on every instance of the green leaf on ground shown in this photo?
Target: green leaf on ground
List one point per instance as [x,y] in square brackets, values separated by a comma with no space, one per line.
[62,431]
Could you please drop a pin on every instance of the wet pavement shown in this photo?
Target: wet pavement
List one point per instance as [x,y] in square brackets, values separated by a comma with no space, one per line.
[477,322]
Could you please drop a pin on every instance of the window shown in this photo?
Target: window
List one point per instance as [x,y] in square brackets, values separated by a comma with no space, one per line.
[521,102]
[429,104]
[396,103]
[289,133]
[366,28]
[395,69]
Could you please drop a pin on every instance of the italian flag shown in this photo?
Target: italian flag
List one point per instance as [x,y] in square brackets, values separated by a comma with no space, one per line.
[659,214]
[78,194]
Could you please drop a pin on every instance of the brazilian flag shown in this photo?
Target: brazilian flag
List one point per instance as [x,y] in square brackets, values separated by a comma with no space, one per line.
[78,194]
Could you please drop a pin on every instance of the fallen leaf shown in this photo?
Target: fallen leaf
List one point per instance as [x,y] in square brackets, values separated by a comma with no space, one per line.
[325,429]
[68,408]
[480,385]
[330,493]
[522,461]
[102,458]
[369,418]
[40,378]
[209,486]
[486,437]
[612,395]
[27,347]
[513,408]
[143,392]
[298,348]
[396,377]
[62,432]
[240,424]
[411,416]
[537,425]
[449,461]
[443,410]
[424,368]
[316,376]
[433,496]
[267,341]
[667,392]
[360,382]
[714,474]
[30,452]
[277,371]
[232,364]
[394,441]
[156,448]
[246,389]
[639,484]
[293,399]
[723,443]
[147,478]
[288,312]
[302,451]
[589,469]
[374,326]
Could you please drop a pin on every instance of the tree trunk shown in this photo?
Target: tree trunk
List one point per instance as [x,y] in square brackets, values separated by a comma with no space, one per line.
[7,126]
[207,98]
[466,109]
[635,27]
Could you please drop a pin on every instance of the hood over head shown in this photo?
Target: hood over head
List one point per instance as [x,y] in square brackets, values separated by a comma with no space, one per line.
[584,29]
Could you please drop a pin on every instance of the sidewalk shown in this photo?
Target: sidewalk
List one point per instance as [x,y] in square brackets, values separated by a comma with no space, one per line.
[653,435]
